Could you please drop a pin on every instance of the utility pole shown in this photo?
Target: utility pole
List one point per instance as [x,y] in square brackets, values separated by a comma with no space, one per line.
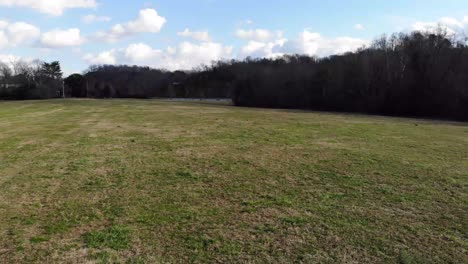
[63,88]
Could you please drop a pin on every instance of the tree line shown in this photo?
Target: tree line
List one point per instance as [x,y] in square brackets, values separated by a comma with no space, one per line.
[114,81]
[418,74]
[21,80]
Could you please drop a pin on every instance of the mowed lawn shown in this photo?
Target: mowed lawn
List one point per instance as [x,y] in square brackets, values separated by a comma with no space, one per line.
[151,181]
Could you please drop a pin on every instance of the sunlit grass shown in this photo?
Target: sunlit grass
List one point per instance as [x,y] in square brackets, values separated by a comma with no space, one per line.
[144,181]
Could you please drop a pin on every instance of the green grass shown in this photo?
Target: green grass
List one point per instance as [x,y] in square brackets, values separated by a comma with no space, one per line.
[150,181]
[115,237]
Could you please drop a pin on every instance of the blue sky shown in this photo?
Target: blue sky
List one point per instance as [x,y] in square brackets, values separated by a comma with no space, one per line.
[178,34]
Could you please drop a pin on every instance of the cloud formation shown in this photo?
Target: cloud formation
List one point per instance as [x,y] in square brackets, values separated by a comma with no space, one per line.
[261,35]
[62,38]
[450,24]
[51,7]
[259,49]
[185,56]
[148,21]
[106,57]
[196,35]
[9,58]
[88,19]
[309,43]
[314,44]
[17,33]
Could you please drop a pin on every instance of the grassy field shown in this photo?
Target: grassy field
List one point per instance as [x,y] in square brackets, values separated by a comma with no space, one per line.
[135,181]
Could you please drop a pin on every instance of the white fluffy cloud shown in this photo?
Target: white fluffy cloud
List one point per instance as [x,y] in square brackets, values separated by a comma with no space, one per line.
[9,59]
[263,49]
[183,57]
[18,33]
[88,19]
[196,35]
[261,35]
[314,44]
[50,7]
[140,52]
[148,21]
[62,38]
[188,55]
[21,32]
[309,43]
[106,57]
[450,24]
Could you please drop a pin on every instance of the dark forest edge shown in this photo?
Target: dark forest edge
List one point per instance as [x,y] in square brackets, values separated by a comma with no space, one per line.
[407,74]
